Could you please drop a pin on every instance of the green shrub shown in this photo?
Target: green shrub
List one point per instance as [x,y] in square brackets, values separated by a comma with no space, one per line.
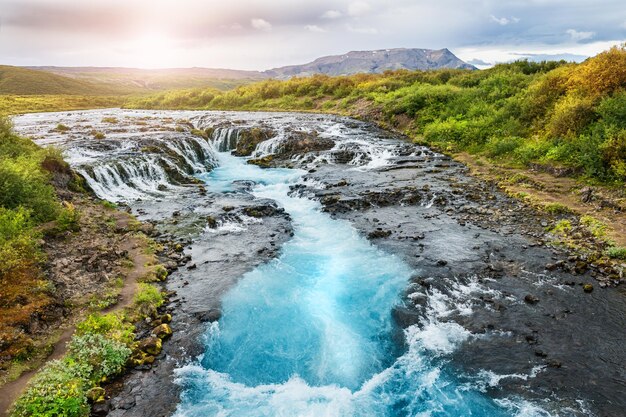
[18,240]
[612,110]
[595,226]
[147,299]
[102,355]
[562,227]
[58,390]
[498,146]
[556,208]
[69,218]
[111,325]
[617,252]
[24,184]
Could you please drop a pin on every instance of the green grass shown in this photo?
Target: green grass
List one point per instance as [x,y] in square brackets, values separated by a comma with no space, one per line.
[24,81]
[18,104]
[617,253]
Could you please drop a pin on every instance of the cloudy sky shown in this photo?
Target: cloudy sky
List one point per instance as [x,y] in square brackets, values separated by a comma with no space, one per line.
[255,34]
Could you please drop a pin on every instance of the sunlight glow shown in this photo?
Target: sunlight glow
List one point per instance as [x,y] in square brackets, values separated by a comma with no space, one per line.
[153,50]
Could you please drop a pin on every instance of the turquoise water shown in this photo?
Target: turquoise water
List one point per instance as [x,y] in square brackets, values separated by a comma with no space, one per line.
[310,333]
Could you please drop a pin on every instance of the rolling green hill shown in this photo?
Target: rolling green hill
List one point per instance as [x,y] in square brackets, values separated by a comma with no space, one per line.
[23,81]
[151,80]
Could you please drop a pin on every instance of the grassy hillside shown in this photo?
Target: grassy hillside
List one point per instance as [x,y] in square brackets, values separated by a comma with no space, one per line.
[571,115]
[151,80]
[23,81]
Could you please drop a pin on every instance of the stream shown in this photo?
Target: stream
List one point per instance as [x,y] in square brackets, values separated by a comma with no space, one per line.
[338,279]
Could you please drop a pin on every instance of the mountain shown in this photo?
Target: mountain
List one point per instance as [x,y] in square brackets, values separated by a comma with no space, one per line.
[138,80]
[117,81]
[25,81]
[374,62]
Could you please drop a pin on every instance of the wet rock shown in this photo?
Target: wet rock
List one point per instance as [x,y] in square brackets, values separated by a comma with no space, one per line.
[581,267]
[249,139]
[192,266]
[551,267]
[442,262]
[95,394]
[208,316]
[554,363]
[162,331]
[586,194]
[262,211]
[127,403]
[531,299]
[588,288]
[300,142]
[264,162]
[100,409]
[379,234]
[211,222]
[151,345]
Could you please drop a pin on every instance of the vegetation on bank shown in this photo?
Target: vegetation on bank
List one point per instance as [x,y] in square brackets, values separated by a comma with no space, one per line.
[573,115]
[103,346]
[29,207]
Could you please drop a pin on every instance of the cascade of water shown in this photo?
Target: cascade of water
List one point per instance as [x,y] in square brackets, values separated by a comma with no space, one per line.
[130,174]
[225,138]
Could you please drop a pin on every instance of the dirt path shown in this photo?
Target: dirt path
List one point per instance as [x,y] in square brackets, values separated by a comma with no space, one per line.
[137,253]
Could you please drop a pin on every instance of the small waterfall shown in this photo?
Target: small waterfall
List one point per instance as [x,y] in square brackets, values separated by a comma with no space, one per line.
[129,170]
[225,138]
[268,147]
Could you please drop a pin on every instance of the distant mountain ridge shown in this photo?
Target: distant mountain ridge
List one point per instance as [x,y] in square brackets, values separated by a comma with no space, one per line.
[374,62]
[115,80]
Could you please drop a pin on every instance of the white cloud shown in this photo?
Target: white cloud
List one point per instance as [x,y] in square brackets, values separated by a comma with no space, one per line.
[510,52]
[332,14]
[579,36]
[315,28]
[358,8]
[261,24]
[364,30]
[503,21]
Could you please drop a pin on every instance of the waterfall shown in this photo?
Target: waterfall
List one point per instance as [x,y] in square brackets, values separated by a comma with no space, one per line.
[130,170]
[225,139]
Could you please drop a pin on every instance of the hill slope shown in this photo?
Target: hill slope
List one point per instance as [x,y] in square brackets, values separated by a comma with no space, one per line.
[24,81]
[142,80]
[374,62]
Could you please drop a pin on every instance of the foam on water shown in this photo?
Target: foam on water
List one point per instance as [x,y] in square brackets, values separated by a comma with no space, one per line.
[310,333]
